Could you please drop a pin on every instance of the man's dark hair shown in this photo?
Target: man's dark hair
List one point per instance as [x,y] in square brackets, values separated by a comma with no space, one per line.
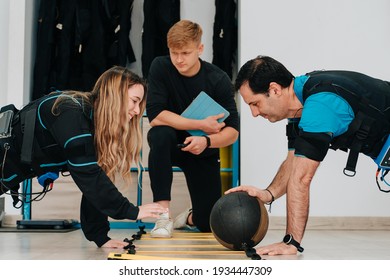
[260,72]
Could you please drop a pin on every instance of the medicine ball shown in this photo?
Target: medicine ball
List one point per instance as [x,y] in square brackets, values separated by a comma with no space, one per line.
[239,220]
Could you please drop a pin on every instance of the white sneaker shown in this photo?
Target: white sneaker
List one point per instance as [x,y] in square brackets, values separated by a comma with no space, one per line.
[163,227]
[181,220]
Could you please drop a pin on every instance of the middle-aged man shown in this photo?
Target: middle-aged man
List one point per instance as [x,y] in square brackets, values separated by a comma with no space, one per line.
[325,109]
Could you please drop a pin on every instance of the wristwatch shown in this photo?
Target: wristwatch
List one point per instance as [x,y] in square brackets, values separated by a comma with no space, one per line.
[289,239]
[207,140]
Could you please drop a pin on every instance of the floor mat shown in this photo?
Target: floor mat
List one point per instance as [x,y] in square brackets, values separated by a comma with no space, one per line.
[14,229]
[182,246]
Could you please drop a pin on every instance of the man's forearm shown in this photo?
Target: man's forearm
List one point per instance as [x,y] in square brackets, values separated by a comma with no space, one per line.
[224,138]
[298,196]
[278,186]
[297,210]
[174,120]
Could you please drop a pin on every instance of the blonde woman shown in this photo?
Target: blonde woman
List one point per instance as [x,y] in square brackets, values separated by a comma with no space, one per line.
[91,135]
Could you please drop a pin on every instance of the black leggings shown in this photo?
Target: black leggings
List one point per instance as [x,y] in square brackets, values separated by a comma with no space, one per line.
[202,174]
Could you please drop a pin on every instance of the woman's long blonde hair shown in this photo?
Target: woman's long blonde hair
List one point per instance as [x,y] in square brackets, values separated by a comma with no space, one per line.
[118,142]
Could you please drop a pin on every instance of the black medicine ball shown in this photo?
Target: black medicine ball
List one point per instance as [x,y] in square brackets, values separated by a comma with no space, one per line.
[239,220]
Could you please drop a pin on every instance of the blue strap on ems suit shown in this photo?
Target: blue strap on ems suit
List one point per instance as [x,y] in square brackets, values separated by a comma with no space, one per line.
[47,178]
[383,162]
[383,159]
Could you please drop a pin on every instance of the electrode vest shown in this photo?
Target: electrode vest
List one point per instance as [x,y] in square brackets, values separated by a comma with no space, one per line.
[369,99]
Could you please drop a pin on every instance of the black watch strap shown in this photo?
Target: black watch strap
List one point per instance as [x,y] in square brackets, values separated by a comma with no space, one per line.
[289,240]
[208,140]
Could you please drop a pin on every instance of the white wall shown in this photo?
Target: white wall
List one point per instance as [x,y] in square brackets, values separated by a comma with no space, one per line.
[306,35]
[4,23]
[17,44]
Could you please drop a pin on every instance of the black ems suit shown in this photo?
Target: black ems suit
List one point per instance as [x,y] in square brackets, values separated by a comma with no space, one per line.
[62,142]
[370,100]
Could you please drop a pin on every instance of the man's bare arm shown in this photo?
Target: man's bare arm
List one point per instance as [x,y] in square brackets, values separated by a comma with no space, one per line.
[298,195]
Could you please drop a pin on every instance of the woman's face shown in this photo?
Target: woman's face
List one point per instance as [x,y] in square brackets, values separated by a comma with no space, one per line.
[135,96]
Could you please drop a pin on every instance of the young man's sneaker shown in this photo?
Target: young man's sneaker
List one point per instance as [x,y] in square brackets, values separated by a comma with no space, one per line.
[163,227]
[182,219]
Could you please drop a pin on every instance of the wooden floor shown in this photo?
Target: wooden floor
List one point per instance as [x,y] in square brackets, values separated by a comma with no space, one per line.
[318,244]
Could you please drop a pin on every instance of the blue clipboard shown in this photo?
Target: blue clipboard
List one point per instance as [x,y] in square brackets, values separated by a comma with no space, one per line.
[202,107]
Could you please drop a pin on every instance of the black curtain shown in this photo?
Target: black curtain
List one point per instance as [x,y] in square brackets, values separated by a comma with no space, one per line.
[225,35]
[159,16]
[78,40]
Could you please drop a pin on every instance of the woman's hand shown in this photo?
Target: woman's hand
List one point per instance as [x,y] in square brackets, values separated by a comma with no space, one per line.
[151,210]
[112,243]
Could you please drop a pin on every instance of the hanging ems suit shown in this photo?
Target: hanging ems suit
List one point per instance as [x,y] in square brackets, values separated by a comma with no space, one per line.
[369,99]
